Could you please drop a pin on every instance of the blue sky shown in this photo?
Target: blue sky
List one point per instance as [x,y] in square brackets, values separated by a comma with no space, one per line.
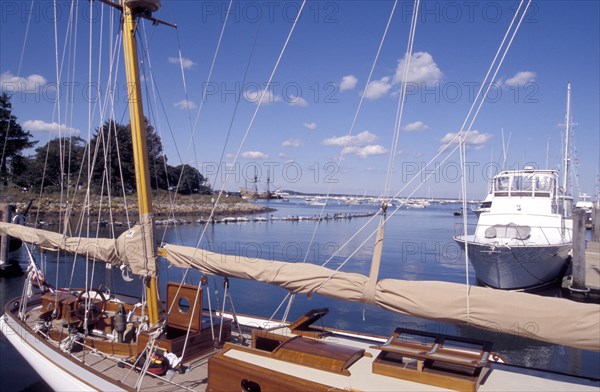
[303,126]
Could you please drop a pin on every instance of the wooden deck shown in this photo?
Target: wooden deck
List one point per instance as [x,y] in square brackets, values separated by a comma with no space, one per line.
[117,368]
[194,379]
[360,374]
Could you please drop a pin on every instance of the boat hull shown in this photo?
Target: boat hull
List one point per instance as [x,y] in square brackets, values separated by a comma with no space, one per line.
[517,267]
[58,371]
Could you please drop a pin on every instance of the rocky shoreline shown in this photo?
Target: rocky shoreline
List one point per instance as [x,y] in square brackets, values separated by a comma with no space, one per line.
[49,210]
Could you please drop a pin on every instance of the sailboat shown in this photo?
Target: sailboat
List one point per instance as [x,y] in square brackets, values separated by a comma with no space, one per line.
[524,237]
[89,339]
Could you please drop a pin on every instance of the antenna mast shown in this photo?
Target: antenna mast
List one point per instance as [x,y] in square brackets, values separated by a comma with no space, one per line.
[567,133]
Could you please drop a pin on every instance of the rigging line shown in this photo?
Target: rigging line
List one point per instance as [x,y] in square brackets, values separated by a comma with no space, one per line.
[193,127]
[146,60]
[192,142]
[29,14]
[237,104]
[366,224]
[55,6]
[189,327]
[68,54]
[444,148]
[154,115]
[374,232]
[358,108]
[362,98]
[212,65]
[396,195]
[56,112]
[483,83]
[349,133]
[463,182]
[230,128]
[389,216]
[258,106]
[70,92]
[514,33]
[117,51]
[61,148]
[402,99]
[463,139]
[18,73]
[90,57]
[86,205]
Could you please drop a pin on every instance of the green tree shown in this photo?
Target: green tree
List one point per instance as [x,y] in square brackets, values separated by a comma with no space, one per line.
[13,140]
[23,171]
[113,151]
[59,163]
[192,181]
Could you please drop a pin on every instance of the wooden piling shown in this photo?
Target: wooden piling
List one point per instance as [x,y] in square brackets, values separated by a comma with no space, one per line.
[596,222]
[578,260]
[4,241]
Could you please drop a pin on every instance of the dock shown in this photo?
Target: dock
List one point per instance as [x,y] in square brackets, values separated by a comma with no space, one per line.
[584,283]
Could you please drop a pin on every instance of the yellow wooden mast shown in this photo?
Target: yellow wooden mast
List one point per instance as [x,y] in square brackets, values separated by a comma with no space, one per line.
[138,134]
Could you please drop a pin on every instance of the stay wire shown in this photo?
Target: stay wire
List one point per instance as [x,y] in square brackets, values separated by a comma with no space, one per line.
[251,123]
[341,156]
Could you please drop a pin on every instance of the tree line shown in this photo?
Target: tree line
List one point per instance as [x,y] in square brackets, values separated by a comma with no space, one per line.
[65,162]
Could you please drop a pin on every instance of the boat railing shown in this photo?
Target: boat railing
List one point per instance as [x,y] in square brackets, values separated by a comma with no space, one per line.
[528,235]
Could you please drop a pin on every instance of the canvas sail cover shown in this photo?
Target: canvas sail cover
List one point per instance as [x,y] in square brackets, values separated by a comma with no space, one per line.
[554,320]
[130,248]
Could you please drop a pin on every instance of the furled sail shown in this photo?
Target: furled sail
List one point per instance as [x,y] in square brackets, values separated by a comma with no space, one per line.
[126,249]
[521,314]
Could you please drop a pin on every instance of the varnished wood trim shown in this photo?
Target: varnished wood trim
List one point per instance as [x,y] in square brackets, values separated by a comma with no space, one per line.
[23,325]
[226,374]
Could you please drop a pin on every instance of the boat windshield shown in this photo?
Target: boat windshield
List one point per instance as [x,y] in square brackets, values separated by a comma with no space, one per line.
[524,184]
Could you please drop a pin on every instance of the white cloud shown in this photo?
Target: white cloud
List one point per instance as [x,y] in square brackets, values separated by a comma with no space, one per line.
[361,145]
[254,155]
[416,126]
[520,78]
[365,151]
[283,156]
[362,139]
[348,82]
[185,104]
[297,101]
[422,69]
[311,125]
[293,143]
[474,138]
[41,126]
[268,98]
[185,62]
[378,88]
[10,83]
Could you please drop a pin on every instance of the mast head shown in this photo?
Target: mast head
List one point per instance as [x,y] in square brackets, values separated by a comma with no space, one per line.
[144,7]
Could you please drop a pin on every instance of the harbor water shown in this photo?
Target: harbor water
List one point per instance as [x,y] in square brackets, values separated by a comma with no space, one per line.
[418,246]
